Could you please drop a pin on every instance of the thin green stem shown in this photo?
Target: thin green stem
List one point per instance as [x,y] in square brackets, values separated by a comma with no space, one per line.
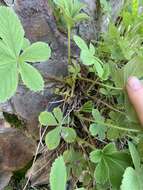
[111,125]
[99,83]
[69,44]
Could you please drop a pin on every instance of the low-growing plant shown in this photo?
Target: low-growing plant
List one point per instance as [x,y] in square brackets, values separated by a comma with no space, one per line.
[97,122]
[16,53]
[71,12]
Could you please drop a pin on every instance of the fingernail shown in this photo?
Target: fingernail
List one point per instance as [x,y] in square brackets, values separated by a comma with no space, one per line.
[134,83]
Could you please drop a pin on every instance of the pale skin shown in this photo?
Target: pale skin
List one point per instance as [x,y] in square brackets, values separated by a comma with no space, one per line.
[135,92]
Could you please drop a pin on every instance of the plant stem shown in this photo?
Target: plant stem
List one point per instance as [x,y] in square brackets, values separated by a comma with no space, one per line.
[99,83]
[85,142]
[69,44]
[111,125]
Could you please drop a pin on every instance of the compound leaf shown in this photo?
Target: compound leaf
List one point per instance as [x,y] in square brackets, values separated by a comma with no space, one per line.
[107,160]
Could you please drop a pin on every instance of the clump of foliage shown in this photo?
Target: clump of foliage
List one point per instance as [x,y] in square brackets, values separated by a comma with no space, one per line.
[102,135]
[103,119]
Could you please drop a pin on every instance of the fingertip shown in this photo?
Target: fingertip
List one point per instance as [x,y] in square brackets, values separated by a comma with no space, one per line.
[135,92]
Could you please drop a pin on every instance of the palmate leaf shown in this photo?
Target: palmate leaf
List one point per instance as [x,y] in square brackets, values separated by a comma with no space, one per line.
[12,41]
[110,158]
[11,30]
[58,175]
[31,77]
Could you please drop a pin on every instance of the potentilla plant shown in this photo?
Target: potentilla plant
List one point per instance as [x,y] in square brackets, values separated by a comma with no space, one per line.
[71,12]
[16,53]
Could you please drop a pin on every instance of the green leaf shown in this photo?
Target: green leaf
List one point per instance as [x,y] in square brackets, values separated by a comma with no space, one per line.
[87,107]
[52,139]
[11,30]
[101,173]
[135,156]
[98,66]
[81,17]
[92,49]
[58,175]
[133,68]
[95,156]
[26,43]
[98,130]
[47,118]
[8,73]
[96,115]
[31,77]
[87,58]
[110,159]
[58,114]
[37,52]
[130,180]
[8,80]
[80,42]
[68,134]
[109,149]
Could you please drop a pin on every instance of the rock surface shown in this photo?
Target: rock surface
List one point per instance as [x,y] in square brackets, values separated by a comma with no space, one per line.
[16,150]
[39,174]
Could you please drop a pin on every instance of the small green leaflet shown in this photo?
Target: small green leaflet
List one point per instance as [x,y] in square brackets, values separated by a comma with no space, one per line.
[47,118]
[135,156]
[58,175]
[37,52]
[130,180]
[31,77]
[68,134]
[97,128]
[87,55]
[11,30]
[12,63]
[107,160]
[53,138]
